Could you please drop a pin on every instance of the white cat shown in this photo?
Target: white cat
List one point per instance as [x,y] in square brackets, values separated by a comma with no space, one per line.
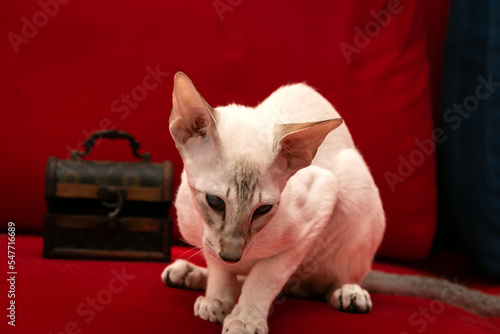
[277,194]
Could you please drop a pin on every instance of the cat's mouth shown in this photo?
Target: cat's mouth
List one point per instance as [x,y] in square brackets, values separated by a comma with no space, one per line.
[229,260]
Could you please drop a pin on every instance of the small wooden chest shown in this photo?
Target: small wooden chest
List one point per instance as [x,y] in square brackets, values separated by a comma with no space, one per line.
[106,209]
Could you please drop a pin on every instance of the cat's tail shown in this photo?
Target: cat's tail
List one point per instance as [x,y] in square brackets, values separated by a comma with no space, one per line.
[433,288]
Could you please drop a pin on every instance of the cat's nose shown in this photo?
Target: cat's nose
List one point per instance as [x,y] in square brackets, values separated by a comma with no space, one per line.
[228,258]
[231,246]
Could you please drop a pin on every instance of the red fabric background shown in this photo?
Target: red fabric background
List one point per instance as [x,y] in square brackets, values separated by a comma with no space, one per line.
[64,83]
[68,76]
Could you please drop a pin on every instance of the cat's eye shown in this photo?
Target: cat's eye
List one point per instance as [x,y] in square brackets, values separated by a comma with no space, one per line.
[216,203]
[262,210]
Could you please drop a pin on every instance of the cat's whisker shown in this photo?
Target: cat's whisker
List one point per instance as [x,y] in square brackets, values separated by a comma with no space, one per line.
[200,251]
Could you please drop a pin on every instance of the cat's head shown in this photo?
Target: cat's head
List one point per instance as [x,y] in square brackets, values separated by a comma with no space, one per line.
[237,164]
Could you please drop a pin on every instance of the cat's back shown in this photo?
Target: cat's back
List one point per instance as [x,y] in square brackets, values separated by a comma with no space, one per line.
[299,103]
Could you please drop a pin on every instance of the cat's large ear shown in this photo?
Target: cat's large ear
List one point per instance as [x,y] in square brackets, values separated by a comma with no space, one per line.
[191,115]
[299,142]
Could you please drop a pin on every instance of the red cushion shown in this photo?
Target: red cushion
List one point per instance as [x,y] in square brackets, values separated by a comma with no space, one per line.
[71,75]
[54,296]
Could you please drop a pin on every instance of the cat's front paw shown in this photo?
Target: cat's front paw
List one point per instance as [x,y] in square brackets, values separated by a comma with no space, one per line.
[184,275]
[212,309]
[242,321]
[352,298]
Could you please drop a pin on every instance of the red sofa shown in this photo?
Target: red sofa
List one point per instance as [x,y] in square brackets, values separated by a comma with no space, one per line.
[70,68]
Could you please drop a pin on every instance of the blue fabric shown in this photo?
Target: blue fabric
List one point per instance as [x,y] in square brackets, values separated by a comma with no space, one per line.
[469,158]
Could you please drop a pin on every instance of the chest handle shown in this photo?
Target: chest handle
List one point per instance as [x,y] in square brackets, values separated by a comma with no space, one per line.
[111,134]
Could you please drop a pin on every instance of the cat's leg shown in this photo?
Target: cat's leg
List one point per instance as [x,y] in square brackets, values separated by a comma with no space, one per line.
[359,214]
[350,264]
[184,275]
[222,291]
[262,285]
